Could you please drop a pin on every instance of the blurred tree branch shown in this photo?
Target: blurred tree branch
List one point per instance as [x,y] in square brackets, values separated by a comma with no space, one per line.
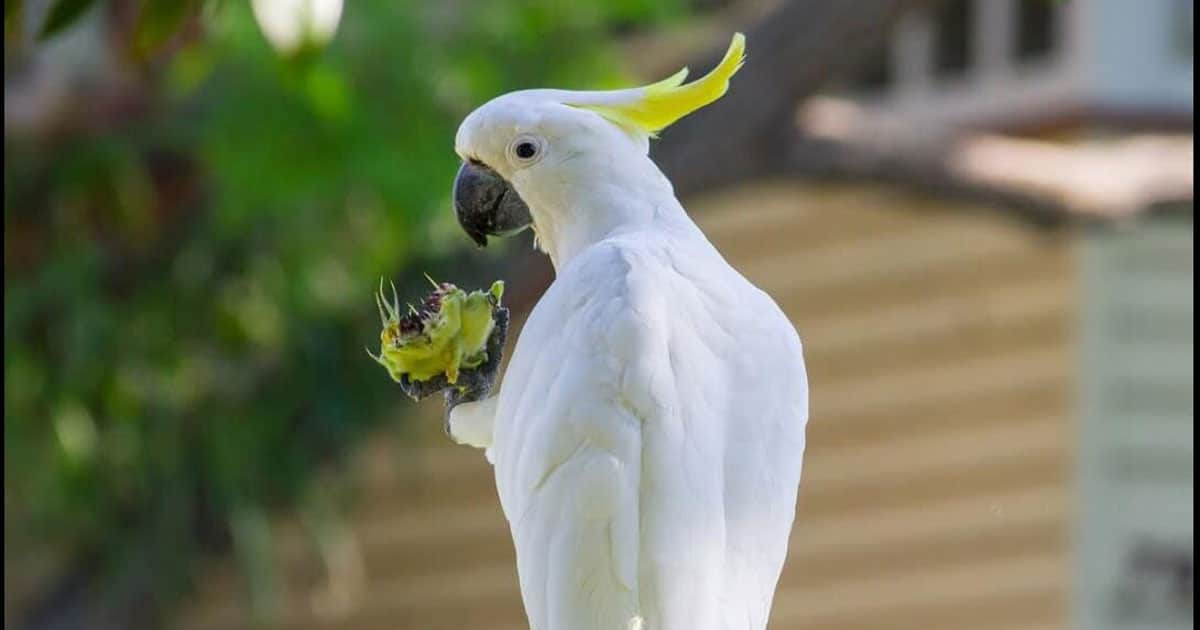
[791,54]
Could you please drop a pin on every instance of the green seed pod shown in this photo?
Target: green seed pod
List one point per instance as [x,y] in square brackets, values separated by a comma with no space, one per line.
[448,332]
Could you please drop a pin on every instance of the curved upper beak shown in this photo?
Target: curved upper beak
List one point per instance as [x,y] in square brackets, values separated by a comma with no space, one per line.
[486,204]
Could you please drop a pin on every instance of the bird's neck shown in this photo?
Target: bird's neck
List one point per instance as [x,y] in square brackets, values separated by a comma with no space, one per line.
[570,218]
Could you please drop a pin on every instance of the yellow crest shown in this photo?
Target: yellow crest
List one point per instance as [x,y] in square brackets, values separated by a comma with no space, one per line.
[654,107]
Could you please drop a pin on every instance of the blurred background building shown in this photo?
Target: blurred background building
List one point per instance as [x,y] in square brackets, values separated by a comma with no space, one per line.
[978,213]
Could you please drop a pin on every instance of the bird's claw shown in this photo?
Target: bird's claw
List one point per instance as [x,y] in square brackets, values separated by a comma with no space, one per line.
[473,383]
[418,390]
[477,383]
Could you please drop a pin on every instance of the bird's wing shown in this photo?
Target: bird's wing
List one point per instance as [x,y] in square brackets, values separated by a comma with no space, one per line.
[722,458]
[568,446]
[647,446]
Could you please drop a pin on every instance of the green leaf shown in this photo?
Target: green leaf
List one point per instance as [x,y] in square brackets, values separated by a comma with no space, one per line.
[186,278]
[191,67]
[158,22]
[12,9]
[13,19]
[63,14]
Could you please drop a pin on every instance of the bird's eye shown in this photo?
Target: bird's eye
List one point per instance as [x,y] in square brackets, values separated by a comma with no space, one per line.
[526,149]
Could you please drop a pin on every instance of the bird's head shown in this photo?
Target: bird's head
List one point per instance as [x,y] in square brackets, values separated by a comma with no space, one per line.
[531,146]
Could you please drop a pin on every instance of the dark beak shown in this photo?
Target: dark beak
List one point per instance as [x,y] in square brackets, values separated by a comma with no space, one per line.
[486,204]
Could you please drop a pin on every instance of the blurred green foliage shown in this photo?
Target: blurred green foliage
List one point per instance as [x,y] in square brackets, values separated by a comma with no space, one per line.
[188,280]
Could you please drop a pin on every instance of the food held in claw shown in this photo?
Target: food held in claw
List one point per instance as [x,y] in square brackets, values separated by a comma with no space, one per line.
[446,333]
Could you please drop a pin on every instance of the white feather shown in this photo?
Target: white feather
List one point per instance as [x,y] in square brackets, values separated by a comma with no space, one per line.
[649,432]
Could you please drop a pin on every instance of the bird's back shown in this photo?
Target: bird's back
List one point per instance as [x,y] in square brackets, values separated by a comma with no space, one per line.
[657,411]
[749,387]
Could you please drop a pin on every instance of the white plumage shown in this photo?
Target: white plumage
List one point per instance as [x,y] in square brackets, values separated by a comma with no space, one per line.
[649,432]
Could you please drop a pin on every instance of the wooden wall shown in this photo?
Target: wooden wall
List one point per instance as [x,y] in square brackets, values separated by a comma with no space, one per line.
[936,490]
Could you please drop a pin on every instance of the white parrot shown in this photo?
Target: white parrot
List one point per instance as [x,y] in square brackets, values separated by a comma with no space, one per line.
[648,435]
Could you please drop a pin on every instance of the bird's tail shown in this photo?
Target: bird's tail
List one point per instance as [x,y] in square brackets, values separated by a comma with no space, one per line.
[635,623]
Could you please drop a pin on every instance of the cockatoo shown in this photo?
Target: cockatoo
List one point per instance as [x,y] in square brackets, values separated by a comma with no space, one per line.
[648,434]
